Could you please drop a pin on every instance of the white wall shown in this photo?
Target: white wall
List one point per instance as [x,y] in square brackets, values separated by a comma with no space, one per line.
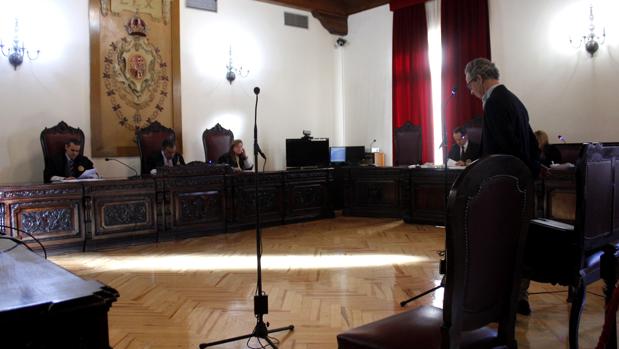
[566,91]
[367,79]
[295,68]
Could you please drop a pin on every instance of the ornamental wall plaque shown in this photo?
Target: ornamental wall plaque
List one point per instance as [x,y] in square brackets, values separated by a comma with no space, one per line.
[135,64]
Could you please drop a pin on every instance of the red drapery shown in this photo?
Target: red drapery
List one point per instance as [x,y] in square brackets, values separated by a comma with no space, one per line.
[412,90]
[465,32]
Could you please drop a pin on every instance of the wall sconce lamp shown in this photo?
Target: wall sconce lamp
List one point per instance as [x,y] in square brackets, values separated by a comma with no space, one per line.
[15,52]
[233,72]
[591,40]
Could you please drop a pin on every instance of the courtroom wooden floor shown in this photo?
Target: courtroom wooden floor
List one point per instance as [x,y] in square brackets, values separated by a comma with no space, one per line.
[323,277]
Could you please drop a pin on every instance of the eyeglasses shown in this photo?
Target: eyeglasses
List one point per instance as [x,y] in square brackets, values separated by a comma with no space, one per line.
[468,83]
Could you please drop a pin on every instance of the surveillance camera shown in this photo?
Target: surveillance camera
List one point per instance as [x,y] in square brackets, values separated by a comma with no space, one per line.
[341,42]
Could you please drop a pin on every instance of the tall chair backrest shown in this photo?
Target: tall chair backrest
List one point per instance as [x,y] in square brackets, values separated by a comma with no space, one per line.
[54,138]
[474,129]
[408,145]
[149,141]
[570,152]
[489,208]
[597,196]
[216,141]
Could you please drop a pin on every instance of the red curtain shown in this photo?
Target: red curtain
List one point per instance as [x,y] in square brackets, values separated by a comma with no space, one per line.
[465,32]
[412,90]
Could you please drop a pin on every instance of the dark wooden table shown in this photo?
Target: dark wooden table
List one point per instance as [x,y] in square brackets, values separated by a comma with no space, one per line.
[45,306]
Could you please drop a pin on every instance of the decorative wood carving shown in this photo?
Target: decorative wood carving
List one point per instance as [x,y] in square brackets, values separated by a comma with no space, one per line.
[125,213]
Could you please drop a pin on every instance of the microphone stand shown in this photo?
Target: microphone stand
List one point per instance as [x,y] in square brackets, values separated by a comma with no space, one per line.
[442,263]
[261,299]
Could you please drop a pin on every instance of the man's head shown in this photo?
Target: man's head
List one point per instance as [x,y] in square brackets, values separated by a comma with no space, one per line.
[169,148]
[460,136]
[72,148]
[480,74]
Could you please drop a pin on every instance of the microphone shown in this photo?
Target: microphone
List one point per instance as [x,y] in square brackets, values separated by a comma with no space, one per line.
[454,90]
[256,146]
[137,175]
[562,139]
[453,93]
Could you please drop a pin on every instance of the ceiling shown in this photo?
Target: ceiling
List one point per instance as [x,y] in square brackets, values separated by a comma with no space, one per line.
[332,14]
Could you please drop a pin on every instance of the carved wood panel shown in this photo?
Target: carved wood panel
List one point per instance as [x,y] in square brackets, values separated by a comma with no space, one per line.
[48,221]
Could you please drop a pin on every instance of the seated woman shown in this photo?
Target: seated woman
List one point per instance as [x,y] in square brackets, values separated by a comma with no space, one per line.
[549,154]
[236,157]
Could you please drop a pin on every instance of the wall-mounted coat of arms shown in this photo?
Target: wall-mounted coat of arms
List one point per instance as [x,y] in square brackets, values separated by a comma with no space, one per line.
[134,67]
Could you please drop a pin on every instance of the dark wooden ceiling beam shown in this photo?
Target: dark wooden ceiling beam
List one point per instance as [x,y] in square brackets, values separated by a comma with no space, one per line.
[332,14]
[355,6]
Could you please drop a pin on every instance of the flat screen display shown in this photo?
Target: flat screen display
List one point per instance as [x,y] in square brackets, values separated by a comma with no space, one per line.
[338,154]
[355,155]
[306,152]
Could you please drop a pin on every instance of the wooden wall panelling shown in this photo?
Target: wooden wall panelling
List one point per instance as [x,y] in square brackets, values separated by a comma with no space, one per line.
[427,195]
[52,213]
[120,209]
[376,192]
[308,195]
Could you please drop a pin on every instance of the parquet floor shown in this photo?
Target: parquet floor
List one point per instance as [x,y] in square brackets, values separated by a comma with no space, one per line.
[323,277]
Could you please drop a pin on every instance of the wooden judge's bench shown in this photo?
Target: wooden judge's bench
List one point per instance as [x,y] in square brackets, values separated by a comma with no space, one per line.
[199,199]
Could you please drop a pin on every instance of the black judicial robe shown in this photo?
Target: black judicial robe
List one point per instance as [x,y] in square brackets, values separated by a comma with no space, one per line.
[157,161]
[506,129]
[58,167]
[471,153]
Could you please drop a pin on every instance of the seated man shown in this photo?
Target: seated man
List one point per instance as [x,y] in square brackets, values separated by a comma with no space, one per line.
[69,165]
[168,157]
[236,157]
[463,152]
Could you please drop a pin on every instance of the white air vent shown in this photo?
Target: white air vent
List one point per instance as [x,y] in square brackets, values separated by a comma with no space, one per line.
[295,20]
[208,5]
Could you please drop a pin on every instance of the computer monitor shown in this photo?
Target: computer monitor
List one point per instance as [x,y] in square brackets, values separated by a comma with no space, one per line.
[355,155]
[306,152]
[338,155]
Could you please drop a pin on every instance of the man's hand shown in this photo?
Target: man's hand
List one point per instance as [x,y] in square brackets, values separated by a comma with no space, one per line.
[460,163]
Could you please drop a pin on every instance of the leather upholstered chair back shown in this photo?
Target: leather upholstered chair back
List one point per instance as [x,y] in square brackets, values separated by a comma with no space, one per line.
[597,197]
[216,141]
[53,139]
[489,209]
[408,145]
[474,129]
[149,141]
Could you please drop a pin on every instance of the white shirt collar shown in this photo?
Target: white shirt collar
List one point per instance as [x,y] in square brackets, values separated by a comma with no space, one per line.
[166,162]
[489,93]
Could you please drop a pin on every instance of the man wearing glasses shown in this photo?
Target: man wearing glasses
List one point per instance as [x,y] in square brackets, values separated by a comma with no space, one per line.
[506,127]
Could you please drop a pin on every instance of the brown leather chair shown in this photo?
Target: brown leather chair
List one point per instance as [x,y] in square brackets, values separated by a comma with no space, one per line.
[489,208]
[569,151]
[216,141]
[474,129]
[149,141]
[408,145]
[53,140]
[569,255]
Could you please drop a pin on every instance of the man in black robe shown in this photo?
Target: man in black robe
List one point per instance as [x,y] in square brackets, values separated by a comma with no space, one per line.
[506,129]
[70,165]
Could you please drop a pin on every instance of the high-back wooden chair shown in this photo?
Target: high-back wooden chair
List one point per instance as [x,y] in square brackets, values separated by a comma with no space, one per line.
[53,140]
[149,141]
[569,255]
[489,208]
[216,141]
[408,145]
[474,129]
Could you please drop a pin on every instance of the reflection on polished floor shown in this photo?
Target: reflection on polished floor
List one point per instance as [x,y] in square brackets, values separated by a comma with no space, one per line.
[323,277]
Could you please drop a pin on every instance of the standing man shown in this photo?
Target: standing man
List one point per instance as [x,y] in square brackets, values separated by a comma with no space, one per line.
[463,152]
[506,129]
